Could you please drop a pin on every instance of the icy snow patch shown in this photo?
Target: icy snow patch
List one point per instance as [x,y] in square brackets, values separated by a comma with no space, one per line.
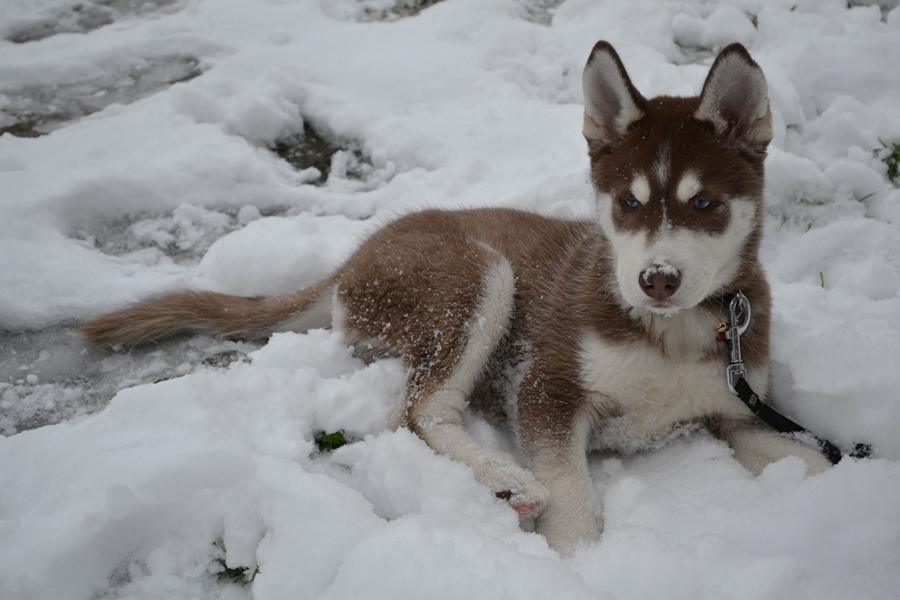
[71,17]
[39,109]
[375,10]
[51,376]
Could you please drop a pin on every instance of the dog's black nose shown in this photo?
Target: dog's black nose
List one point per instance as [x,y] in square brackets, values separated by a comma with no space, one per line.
[660,281]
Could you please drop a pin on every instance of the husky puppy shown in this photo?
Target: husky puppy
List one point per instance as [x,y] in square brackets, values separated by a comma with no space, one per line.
[609,322]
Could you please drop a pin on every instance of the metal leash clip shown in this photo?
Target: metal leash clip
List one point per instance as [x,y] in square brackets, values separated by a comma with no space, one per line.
[736,377]
[739,314]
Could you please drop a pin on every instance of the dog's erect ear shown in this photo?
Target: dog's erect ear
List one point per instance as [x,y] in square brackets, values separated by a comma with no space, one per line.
[735,99]
[611,102]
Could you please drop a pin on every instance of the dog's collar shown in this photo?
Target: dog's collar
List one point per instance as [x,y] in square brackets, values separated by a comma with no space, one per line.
[721,301]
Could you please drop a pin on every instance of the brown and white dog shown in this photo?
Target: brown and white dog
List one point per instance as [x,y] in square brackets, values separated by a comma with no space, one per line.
[608,323]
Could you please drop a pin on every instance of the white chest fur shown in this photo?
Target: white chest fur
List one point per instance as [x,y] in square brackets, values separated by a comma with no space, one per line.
[656,392]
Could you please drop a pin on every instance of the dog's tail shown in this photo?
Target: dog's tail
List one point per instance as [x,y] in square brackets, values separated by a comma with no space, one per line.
[210,312]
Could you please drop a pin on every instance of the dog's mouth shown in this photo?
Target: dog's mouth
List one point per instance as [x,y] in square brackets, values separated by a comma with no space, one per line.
[662,305]
[666,309]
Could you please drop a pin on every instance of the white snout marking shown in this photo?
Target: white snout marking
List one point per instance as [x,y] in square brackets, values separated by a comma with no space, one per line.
[640,189]
[688,186]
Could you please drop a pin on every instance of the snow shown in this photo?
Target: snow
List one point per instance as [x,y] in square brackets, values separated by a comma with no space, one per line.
[139,475]
[659,267]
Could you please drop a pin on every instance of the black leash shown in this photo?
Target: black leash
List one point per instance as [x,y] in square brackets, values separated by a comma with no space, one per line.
[739,314]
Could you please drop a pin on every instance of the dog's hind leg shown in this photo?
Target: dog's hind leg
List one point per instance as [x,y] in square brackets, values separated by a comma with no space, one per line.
[443,310]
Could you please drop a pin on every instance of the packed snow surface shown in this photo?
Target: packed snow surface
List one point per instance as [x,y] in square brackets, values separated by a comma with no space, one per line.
[142,155]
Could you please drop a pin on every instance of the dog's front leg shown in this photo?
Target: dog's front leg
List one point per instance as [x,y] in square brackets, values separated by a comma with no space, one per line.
[572,515]
[557,453]
[756,446]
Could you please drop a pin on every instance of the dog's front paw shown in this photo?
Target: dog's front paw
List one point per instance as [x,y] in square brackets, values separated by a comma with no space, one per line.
[816,462]
[568,525]
[528,504]
[515,485]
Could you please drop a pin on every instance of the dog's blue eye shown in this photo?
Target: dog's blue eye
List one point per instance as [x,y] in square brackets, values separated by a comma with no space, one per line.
[700,202]
[631,202]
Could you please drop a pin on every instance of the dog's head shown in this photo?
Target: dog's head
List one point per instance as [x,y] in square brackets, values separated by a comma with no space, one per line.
[679,181]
